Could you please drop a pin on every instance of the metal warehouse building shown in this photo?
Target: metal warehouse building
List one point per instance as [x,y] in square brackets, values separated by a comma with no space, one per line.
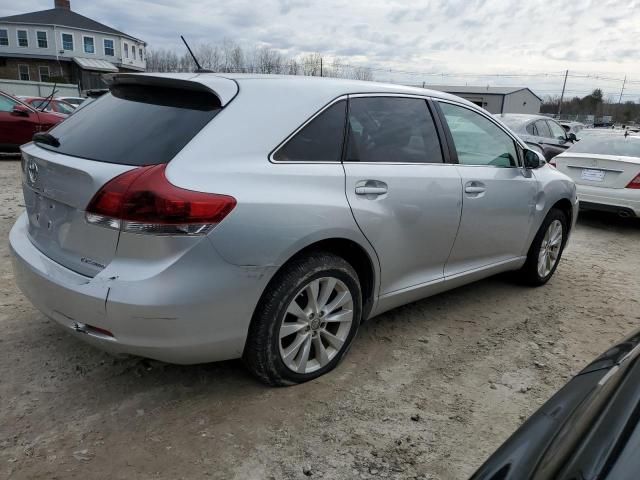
[496,99]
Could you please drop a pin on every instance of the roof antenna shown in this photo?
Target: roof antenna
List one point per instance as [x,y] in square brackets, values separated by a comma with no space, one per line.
[199,69]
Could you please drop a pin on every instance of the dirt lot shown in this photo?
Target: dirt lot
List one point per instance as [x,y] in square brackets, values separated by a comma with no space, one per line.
[427,392]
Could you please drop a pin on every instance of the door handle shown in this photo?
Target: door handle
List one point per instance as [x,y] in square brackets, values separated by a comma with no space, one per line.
[371,190]
[371,187]
[474,189]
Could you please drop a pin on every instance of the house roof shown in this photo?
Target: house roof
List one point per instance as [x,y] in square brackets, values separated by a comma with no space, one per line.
[65,18]
[480,90]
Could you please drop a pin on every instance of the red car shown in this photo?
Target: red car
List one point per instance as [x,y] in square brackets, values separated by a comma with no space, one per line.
[19,121]
[55,105]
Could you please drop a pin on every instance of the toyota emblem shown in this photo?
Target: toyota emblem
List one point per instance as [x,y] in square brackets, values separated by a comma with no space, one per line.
[32,171]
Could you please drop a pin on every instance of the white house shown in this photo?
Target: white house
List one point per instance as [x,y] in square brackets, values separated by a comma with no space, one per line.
[60,44]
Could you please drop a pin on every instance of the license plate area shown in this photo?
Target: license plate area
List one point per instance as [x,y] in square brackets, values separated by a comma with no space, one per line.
[592,175]
[46,215]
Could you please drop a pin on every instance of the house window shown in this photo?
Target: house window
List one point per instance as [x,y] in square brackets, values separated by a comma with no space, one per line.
[23,39]
[140,51]
[45,74]
[67,41]
[133,51]
[42,40]
[88,44]
[23,72]
[4,38]
[126,51]
[108,48]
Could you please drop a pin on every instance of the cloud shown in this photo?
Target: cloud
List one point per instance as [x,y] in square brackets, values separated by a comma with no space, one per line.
[454,36]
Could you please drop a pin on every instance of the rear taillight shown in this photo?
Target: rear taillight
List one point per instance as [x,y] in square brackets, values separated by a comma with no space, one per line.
[143,201]
[635,183]
[552,162]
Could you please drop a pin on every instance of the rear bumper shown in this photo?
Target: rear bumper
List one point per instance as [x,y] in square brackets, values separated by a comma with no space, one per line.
[614,200]
[191,309]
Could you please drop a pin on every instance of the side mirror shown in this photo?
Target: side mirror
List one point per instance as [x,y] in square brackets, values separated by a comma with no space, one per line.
[533,160]
[20,111]
[572,137]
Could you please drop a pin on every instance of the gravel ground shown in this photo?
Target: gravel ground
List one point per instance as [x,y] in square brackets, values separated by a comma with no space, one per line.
[427,391]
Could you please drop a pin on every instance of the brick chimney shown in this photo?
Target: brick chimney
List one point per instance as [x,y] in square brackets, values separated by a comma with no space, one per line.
[66,4]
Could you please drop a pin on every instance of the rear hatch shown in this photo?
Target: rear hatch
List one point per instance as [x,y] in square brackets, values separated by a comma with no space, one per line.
[144,120]
[602,161]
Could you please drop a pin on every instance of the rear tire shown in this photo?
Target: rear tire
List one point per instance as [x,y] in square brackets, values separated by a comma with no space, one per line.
[305,321]
[546,249]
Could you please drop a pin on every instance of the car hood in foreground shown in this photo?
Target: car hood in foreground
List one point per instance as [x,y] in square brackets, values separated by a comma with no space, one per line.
[587,430]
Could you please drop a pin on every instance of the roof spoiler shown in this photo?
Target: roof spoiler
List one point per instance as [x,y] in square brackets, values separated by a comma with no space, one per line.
[157,81]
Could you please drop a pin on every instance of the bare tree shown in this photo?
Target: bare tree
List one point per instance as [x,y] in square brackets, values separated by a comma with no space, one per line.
[230,57]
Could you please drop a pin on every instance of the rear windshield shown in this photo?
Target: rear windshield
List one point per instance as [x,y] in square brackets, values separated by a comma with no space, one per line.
[609,145]
[135,125]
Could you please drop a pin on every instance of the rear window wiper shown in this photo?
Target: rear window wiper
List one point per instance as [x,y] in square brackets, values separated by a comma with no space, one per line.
[46,138]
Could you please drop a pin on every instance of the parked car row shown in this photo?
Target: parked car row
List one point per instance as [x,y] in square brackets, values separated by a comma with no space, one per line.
[23,116]
[542,134]
[19,121]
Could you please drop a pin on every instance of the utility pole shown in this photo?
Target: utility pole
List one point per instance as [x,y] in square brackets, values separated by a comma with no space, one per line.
[621,91]
[564,85]
[321,66]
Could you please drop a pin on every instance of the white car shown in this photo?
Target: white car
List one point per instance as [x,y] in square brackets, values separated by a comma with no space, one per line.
[606,169]
[75,101]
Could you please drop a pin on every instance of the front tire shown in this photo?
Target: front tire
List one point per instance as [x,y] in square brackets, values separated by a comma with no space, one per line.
[546,249]
[305,321]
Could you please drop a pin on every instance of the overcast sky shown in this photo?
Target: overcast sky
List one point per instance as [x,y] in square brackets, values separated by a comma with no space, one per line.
[451,36]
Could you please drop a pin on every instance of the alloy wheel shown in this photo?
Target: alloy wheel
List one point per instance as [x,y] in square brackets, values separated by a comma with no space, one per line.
[316,325]
[550,248]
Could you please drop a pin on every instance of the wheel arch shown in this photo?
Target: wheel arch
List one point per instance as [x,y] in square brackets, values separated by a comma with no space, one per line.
[565,206]
[351,251]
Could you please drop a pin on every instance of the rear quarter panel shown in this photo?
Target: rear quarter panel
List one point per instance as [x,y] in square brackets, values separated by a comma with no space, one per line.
[282,207]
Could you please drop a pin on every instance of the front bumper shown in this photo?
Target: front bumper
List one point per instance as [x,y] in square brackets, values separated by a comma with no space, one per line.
[192,308]
[614,200]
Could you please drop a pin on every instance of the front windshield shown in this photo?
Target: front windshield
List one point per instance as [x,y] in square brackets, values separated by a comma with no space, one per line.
[628,146]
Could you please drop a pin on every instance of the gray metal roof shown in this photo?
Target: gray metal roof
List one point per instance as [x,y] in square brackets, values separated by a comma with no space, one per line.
[65,18]
[479,90]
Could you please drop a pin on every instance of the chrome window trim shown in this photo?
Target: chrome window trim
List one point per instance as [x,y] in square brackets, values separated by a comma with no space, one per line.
[347,97]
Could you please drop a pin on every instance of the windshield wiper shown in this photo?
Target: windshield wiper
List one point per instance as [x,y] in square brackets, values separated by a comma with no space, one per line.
[47,100]
[46,138]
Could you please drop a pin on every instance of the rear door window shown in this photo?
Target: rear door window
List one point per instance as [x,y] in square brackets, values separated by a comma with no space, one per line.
[543,129]
[320,140]
[164,119]
[392,129]
[556,130]
[532,130]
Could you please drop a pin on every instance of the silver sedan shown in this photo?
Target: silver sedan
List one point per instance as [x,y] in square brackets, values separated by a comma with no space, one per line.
[194,218]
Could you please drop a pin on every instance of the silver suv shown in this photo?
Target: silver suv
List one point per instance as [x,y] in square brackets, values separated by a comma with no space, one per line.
[194,218]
